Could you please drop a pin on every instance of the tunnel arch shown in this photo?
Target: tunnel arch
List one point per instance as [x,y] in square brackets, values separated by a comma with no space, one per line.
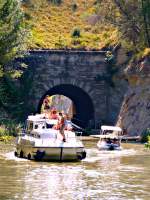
[81,100]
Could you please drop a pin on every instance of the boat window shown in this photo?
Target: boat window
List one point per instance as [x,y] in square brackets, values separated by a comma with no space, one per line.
[30,126]
[49,125]
[39,125]
[36,126]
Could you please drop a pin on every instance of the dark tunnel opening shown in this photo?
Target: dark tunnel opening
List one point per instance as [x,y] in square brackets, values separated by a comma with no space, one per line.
[81,100]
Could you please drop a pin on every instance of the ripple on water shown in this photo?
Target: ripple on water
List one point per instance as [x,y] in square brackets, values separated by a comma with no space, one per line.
[96,155]
[103,175]
[11,156]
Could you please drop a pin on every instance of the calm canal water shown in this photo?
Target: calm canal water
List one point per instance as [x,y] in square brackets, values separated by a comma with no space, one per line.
[101,176]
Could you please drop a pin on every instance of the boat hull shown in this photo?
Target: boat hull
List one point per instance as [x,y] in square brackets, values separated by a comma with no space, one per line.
[109,147]
[27,149]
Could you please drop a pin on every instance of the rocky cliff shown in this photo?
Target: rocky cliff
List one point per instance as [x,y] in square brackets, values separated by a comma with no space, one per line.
[134,115]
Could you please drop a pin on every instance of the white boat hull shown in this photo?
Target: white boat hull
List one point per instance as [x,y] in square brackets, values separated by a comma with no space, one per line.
[109,147]
[49,151]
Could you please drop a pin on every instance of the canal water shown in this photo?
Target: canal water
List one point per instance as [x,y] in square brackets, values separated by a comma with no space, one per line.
[110,175]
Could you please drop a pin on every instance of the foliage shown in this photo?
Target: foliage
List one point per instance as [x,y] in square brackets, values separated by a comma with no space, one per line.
[111,70]
[147,145]
[74,7]
[146,52]
[56,23]
[12,33]
[3,131]
[9,130]
[145,135]
[134,27]
[76,33]
[13,37]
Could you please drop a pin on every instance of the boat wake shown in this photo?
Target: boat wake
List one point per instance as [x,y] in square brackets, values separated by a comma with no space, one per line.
[94,155]
[11,156]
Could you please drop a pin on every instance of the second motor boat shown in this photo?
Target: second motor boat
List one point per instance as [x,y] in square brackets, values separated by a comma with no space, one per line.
[110,138]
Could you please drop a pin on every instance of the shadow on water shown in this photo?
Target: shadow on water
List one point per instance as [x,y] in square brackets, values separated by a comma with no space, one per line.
[113,175]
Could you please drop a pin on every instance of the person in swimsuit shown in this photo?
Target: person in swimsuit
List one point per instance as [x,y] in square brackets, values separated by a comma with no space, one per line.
[61,125]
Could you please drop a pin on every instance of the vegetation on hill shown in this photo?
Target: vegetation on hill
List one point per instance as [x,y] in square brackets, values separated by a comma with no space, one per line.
[92,24]
[131,18]
[68,24]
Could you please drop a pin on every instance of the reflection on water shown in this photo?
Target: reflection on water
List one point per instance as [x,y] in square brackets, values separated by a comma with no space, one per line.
[110,175]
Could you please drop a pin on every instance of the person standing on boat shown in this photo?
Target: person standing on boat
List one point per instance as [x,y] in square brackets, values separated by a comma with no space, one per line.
[46,103]
[61,125]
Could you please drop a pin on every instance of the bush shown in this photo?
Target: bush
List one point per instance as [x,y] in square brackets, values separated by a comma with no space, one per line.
[10,129]
[74,7]
[145,136]
[147,145]
[3,131]
[76,33]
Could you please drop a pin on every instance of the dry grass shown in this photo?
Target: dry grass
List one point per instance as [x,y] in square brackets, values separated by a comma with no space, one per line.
[52,26]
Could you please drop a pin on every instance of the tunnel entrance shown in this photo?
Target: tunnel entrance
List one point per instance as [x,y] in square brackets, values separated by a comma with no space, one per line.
[82,103]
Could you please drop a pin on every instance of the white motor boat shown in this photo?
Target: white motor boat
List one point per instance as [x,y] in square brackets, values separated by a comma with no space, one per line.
[110,138]
[40,141]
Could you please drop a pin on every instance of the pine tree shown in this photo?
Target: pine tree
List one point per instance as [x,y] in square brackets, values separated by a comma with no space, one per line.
[13,36]
[13,32]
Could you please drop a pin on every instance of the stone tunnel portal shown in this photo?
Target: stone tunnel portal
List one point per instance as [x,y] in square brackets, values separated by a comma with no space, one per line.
[81,100]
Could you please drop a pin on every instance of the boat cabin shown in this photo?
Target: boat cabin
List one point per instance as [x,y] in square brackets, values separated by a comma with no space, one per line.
[111,134]
[110,138]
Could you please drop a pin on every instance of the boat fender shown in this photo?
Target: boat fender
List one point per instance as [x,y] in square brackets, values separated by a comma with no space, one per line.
[79,157]
[21,154]
[39,155]
[83,154]
[111,147]
[29,156]
[15,153]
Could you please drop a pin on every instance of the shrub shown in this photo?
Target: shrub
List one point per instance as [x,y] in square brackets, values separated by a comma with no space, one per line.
[147,145]
[3,131]
[76,33]
[10,128]
[74,7]
[145,136]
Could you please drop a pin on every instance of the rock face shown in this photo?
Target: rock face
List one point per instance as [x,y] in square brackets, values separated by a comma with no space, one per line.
[135,111]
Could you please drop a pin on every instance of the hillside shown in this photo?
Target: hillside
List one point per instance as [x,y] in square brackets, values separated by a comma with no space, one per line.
[71,24]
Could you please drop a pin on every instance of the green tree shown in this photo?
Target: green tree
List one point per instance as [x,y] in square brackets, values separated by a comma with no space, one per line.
[13,38]
[130,17]
[13,32]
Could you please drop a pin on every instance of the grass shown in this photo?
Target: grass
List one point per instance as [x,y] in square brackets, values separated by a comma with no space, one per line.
[52,26]
[9,131]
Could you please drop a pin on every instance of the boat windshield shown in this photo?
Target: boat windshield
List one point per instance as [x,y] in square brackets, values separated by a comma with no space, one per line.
[111,129]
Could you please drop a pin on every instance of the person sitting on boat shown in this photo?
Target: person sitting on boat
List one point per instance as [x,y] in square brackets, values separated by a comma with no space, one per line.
[53,114]
[61,125]
[68,124]
[108,141]
[115,141]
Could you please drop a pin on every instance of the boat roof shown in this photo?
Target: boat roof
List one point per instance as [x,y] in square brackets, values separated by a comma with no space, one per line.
[110,136]
[111,128]
[41,118]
